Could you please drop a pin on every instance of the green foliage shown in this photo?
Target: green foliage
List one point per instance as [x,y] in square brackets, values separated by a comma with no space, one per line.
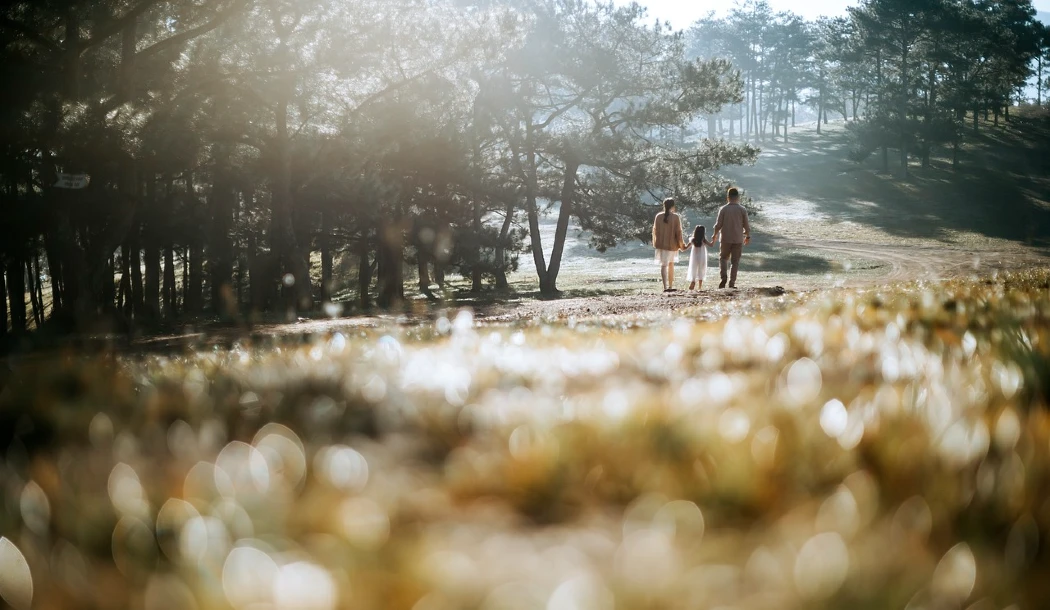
[253,133]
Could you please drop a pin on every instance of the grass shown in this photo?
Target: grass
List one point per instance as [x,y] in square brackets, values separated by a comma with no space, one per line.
[837,449]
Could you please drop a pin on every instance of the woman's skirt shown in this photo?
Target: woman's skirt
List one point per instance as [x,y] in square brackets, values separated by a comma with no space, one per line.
[666,257]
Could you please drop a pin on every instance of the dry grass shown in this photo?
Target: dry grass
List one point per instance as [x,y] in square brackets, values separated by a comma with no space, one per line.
[843,449]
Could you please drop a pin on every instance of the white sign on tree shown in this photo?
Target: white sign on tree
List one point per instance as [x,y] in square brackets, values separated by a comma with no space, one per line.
[73,181]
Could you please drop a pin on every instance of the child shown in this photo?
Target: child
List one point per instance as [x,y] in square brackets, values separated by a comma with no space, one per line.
[698,258]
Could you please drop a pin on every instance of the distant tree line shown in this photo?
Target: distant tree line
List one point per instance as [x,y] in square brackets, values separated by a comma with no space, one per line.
[908,74]
[260,155]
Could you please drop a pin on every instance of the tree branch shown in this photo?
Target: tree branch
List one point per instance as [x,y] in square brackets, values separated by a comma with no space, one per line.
[30,34]
[192,33]
[117,26]
[554,116]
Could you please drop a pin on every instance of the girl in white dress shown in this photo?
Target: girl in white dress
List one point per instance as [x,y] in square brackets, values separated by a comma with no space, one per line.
[698,258]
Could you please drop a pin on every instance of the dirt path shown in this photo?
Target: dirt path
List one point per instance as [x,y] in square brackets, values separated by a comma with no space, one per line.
[900,263]
[622,305]
[915,263]
[903,263]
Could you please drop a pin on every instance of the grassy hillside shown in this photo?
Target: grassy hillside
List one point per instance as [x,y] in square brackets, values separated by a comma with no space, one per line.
[1000,191]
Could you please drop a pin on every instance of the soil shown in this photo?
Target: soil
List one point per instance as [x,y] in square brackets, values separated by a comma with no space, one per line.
[623,305]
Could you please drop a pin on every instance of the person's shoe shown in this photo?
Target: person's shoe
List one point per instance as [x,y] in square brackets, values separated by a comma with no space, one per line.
[722,285]
[732,287]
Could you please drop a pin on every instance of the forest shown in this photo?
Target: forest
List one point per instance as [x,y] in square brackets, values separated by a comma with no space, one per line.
[167,160]
[352,304]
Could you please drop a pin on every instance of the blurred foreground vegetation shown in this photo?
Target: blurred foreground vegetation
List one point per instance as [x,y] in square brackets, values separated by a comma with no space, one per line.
[849,449]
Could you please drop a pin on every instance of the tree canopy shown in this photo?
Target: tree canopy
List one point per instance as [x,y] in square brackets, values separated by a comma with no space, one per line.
[242,154]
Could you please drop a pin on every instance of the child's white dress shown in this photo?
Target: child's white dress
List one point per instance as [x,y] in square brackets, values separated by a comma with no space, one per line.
[697,264]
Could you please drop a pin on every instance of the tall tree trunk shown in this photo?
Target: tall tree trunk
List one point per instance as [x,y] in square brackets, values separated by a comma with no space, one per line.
[776,115]
[762,114]
[170,289]
[72,59]
[73,272]
[260,277]
[1039,81]
[53,254]
[109,292]
[38,283]
[880,94]
[232,303]
[16,290]
[753,111]
[903,110]
[390,254]
[194,304]
[364,274]
[931,102]
[747,102]
[528,173]
[568,197]
[423,260]
[31,283]
[3,304]
[475,275]
[151,282]
[138,285]
[324,242]
[223,207]
[282,229]
[129,41]
[151,256]
[125,280]
[501,251]
[820,100]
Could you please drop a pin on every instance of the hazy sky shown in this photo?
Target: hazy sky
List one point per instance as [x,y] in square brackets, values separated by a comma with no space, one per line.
[681,13]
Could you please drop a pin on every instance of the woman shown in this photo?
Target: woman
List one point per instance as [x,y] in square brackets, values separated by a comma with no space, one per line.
[668,241]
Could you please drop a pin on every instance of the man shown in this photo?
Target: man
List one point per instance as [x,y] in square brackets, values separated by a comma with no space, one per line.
[733,229]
